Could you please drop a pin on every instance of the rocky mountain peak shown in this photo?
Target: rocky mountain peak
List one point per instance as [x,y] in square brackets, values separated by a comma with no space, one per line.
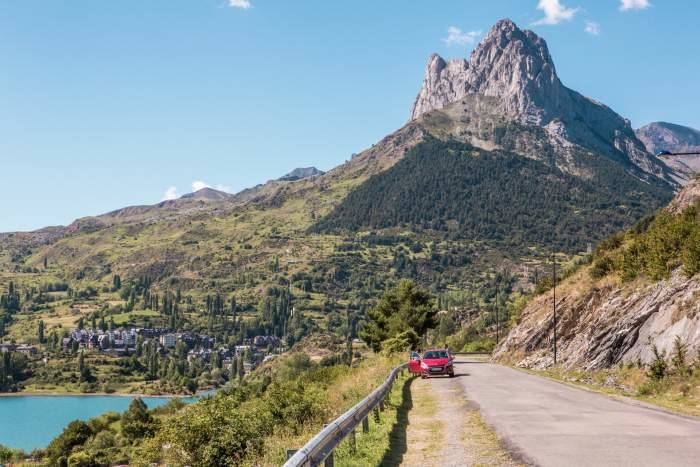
[513,68]
[207,194]
[664,136]
[509,63]
[301,173]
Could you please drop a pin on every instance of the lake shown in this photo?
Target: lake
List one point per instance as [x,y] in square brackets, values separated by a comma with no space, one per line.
[29,422]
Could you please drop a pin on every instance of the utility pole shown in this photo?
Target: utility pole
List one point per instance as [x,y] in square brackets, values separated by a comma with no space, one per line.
[497,292]
[554,302]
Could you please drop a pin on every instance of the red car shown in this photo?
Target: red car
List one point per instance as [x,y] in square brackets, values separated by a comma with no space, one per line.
[437,362]
[414,363]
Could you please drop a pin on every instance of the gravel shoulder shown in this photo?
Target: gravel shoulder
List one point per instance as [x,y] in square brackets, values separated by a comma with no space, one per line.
[444,429]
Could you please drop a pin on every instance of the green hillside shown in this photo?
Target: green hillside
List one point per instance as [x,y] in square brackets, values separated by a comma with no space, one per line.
[515,202]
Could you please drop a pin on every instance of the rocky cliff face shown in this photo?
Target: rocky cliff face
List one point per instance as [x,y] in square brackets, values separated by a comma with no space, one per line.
[602,323]
[514,67]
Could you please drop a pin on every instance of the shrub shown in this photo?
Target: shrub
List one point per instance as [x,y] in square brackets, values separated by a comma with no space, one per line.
[680,353]
[658,366]
[602,266]
[74,435]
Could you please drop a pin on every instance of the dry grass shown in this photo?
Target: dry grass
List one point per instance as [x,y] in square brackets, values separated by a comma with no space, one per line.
[678,393]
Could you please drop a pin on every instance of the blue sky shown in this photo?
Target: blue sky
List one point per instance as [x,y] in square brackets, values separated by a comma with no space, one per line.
[105,104]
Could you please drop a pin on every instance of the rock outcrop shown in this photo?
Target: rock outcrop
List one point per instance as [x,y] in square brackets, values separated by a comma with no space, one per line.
[689,195]
[514,67]
[604,322]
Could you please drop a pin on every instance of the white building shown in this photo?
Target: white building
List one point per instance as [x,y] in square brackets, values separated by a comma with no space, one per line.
[168,340]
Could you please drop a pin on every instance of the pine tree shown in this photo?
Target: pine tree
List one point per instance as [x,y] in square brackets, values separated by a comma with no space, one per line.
[41,331]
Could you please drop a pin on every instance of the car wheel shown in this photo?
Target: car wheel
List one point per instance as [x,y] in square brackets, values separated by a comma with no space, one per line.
[452,375]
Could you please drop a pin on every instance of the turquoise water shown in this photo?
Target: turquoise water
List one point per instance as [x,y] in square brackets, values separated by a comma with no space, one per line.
[29,422]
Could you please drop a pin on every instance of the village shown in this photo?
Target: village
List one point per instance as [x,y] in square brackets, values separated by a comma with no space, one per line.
[127,341]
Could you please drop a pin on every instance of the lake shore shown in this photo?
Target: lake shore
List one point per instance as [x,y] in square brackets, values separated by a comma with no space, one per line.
[92,394]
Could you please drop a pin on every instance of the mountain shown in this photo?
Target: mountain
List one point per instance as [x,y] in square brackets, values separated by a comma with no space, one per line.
[514,67]
[208,194]
[663,136]
[641,288]
[504,104]
[301,172]
[456,193]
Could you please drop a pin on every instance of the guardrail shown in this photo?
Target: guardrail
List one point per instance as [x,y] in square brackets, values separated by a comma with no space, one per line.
[320,448]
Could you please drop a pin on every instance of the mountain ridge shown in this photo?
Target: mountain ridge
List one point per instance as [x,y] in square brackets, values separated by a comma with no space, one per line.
[515,66]
[664,136]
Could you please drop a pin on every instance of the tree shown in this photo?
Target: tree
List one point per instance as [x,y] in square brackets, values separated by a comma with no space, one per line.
[405,310]
[75,434]
[41,331]
[83,369]
[137,423]
[679,360]
[46,262]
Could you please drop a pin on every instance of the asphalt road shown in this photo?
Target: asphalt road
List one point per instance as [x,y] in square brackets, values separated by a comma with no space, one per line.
[551,424]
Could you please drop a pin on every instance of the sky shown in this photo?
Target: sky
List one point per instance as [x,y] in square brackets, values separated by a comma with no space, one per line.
[106,104]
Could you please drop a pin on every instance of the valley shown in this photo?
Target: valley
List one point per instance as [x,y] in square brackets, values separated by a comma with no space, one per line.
[291,300]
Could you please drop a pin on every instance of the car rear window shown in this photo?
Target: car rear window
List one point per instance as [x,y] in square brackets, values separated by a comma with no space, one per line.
[435,354]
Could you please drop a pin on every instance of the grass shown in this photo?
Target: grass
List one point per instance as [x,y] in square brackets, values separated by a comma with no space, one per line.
[680,394]
[346,391]
[385,442]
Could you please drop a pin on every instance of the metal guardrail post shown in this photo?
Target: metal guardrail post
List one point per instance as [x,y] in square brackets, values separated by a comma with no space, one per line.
[329,460]
[353,441]
[365,425]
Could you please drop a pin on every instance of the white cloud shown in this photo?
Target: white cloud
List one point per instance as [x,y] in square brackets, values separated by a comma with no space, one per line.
[554,12]
[592,28]
[199,184]
[243,4]
[455,36]
[626,5]
[170,193]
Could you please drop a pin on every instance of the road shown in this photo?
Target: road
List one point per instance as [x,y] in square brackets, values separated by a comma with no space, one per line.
[552,424]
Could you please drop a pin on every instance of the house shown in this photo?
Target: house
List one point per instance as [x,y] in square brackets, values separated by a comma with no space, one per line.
[168,340]
[7,347]
[27,350]
[67,342]
[266,341]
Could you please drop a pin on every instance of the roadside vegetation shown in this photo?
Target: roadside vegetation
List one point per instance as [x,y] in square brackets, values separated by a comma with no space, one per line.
[254,420]
[670,381]
[278,407]
[653,249]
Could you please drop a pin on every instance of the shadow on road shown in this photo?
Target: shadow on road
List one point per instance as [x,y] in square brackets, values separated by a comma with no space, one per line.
[397,438]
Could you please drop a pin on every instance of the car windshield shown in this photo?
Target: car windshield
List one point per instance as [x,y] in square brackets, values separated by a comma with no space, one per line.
[433,354]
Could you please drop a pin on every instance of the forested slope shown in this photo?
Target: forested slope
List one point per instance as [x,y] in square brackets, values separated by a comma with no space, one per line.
[517,202]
